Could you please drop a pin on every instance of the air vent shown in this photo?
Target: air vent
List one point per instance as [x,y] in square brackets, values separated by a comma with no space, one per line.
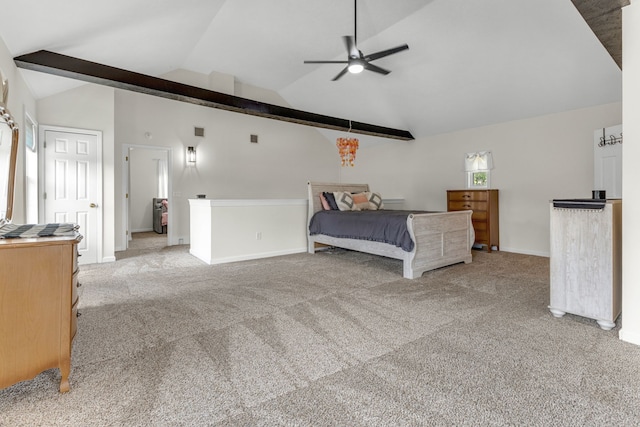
[254,139]
[199,131]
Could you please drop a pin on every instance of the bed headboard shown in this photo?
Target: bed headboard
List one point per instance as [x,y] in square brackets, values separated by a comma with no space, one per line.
[315,188]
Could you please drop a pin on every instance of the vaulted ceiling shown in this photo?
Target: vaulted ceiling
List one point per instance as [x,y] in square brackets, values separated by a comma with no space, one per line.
[469,63]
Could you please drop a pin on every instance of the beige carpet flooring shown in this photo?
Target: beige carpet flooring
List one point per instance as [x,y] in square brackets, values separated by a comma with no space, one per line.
[333,339]
[145,242]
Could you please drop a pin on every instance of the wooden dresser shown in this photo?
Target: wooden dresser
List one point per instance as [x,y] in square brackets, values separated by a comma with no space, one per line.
[485,218]
[38,307]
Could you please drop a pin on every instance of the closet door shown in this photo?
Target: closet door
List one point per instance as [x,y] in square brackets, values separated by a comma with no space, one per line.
[607,161]
[72,186]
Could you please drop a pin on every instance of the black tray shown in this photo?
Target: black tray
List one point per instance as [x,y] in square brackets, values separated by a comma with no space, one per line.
[579,203]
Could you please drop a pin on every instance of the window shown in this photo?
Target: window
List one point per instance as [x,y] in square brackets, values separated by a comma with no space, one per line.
[478,168]
[478,179]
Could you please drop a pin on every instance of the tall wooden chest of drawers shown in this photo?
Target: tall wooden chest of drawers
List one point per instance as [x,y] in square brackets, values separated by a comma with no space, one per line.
[38,307]
[485,218]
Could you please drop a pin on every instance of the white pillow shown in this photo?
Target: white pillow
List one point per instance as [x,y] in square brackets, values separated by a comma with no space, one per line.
[345,202]
[375,201]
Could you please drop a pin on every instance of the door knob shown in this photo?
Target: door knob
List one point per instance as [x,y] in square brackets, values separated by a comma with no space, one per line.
[93,205]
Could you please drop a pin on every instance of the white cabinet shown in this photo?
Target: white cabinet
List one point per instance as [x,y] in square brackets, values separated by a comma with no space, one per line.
[586,262]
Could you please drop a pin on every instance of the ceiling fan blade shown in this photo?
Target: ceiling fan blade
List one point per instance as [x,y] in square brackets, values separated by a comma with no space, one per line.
[340,74]
[375,68]
[352,49]
[387,52]
[355,59]
[326,62]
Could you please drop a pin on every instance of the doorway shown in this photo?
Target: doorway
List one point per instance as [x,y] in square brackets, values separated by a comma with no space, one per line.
[147,180]
[72,184]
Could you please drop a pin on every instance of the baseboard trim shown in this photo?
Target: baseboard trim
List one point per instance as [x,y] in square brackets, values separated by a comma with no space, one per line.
[525,252]
[632,337]
[142,230]
[249,257]
[109,259]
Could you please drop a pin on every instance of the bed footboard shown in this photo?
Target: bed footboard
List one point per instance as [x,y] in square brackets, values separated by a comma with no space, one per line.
[440,239]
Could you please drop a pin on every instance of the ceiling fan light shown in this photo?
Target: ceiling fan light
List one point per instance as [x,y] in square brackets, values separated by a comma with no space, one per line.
[356,67]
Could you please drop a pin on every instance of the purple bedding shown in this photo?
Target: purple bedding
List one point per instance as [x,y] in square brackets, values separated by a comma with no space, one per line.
[386,226]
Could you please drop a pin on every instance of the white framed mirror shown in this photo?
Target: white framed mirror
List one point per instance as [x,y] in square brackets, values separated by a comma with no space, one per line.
[9,137]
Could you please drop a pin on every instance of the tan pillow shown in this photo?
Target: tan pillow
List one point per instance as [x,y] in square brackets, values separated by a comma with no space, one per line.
[345,202]
[361,200]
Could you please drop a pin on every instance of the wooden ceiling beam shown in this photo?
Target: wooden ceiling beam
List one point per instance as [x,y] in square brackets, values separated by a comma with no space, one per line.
[92,72]
[604,17]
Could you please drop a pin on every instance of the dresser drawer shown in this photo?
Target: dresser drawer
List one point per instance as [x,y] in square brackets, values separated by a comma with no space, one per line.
[75,258]
[74,288]
[74,320]
[477,216]
[481,236]
[479,225]
[467,205]
[467,195]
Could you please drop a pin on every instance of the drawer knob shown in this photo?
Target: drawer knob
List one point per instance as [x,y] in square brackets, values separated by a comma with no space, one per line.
[466,206]
[78,314]
[78,285]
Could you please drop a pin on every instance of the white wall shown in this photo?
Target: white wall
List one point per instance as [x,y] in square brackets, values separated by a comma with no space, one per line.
[89,107]
[236,230]
[631,173]
[20,99]
[536,160]
[143,186]
[228,165]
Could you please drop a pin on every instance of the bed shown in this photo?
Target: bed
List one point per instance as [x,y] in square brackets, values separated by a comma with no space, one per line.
[439,238]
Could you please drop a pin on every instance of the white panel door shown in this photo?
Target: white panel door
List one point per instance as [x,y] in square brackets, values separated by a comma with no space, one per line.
[607,161]
[71,190]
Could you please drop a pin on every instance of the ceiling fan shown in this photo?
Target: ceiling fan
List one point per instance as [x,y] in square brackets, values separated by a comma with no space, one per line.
[356,60]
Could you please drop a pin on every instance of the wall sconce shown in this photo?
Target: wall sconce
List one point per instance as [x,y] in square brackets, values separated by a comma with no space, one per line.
[191,155]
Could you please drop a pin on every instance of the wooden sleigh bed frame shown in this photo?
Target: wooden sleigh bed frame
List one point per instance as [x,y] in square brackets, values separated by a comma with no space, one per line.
[440,238]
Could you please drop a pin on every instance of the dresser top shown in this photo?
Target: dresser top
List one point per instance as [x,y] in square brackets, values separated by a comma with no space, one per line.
[475,189]
[40,241]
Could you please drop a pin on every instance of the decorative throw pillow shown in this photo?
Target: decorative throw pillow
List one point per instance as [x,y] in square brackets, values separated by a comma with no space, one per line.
[325,204]
[361,200]
[345,201]
[331,200]
[375,201]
